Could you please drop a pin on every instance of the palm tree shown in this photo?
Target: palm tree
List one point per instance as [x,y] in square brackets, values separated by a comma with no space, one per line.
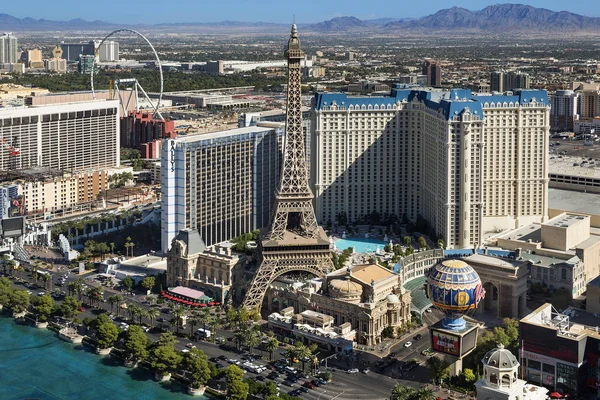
[252,339]
[400,392]
[270,346]
[115,299]
[204,317]
[240,338]
[425,394]
[152,314]
[78,287]
[213,325]
[134,311]
[144,314]
[112,248]
[45,278]
[179,312]
[34,271]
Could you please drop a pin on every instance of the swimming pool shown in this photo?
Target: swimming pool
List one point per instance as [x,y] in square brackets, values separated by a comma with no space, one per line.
[360,245]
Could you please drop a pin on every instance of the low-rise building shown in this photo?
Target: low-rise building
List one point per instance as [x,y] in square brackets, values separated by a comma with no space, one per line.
[561,252]
[314,327]
[592,301]
[367,297]
[215,270]
[558,354]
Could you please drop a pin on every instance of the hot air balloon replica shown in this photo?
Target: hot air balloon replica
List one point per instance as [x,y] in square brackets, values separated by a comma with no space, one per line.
[454,288]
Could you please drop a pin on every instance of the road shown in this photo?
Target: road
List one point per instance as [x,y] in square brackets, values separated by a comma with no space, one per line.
[344,386]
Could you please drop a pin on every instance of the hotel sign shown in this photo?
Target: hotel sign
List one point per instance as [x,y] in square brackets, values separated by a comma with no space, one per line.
[172,156]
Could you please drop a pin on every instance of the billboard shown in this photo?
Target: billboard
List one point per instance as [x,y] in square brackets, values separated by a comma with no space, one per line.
[445,342]
[545,341]
[454,343]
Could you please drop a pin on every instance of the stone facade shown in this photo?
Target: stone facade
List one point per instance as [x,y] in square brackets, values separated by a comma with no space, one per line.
[368,297]
[215,270]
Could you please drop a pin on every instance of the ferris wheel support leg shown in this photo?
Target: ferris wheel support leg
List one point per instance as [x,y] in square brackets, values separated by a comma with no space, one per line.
[150,101]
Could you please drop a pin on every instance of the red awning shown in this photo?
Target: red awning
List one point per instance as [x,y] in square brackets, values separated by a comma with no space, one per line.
[202,305]
[556,395]
[211,303]
[217,303]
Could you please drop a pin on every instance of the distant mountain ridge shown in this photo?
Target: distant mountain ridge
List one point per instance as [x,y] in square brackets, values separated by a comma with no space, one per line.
[496,18]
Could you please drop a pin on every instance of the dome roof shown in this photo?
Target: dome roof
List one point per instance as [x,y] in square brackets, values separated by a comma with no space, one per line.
[345,286]
[453,286]
[500,358]
[392,298]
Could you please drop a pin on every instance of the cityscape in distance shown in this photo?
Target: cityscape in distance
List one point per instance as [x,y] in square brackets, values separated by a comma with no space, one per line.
[350,206]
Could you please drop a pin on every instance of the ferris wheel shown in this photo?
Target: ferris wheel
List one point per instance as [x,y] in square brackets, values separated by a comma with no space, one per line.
[132,82]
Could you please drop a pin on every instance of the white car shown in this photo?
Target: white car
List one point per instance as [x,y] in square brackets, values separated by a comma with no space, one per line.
[407,344]
[190,346]
[353,371]
[41,293]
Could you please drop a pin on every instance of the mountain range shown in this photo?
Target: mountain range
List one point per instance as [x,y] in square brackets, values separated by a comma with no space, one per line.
[496,18]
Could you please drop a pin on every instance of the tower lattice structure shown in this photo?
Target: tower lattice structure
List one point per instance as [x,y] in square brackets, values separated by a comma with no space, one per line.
[294,241]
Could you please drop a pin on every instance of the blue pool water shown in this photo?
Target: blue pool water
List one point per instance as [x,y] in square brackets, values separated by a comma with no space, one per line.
[360,245]
[35,364]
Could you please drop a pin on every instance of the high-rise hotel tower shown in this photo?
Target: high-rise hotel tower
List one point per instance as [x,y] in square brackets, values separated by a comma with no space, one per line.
[467,164]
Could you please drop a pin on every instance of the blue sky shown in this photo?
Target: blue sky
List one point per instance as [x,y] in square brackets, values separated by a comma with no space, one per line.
[306,11]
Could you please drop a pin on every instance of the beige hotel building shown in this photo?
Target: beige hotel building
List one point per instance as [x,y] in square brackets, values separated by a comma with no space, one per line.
[469,164]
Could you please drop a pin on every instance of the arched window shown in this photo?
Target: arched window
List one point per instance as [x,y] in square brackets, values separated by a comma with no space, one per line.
[506,379]
[494,378]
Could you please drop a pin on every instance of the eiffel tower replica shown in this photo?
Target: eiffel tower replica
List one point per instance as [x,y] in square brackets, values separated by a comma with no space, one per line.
[294,241]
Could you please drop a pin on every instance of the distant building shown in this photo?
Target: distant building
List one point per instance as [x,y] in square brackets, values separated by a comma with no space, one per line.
[413,79]
[589,104]
[8,48]
[563,111]
[141,131]
[56,65]
[220,183]
[433,70]
[109,51]
[71,52]
[85,64]
[502,81]
[8,194]
[33,58]
[350,56]
[60,136]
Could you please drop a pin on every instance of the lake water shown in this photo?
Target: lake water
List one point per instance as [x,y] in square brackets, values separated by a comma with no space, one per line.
[35,364]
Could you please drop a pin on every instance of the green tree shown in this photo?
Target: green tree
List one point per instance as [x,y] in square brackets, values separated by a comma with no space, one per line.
[107,334]
[5,290]
[270,389]
[148,282]
[387,332]
[237,390]
[69,307]
[401,392]
[164,356]
[438,368]
[197,364]
[407,240]
[178,313]
[128,283]
[136,343]
[43,307]
[469,375]
[233,372]
[18,301]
